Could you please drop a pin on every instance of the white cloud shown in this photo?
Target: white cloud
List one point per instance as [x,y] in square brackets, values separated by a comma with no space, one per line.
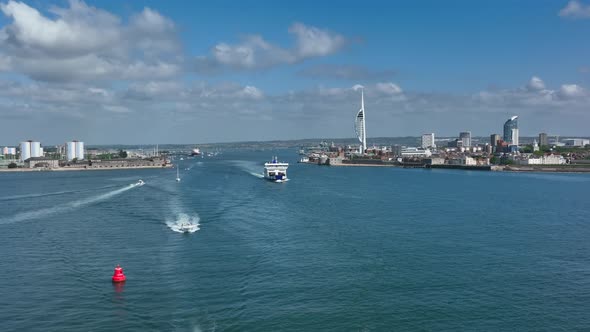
[255,52]
[576,10]
[535,84]
[388,88]
[314,42]
[535,94]
[81,42]
[151,21]
[569,91]
[77,30]
[346,72]
[251,92]
[201,110]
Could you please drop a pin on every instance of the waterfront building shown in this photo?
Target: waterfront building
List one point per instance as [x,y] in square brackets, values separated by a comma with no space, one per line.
[415,152]
[359,125]
[41,162]
[511,131]
[396,150]
[465,138]
[435,161]
[464,160]
[428,141]
[74,150]
[543,139]
[577,142]
[543,160]
[30,149]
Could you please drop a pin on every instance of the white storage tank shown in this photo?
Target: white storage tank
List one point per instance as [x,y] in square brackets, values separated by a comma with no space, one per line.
[25,151]
[70,150]
[36,150]
[80,150]
[74,149]
[30,149]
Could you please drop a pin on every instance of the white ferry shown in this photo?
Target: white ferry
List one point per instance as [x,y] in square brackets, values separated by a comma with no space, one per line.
[276,171]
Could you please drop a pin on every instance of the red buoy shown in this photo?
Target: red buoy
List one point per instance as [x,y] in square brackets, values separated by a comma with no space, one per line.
[118,276]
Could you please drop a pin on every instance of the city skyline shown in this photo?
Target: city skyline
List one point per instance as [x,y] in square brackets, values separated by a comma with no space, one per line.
[148,72]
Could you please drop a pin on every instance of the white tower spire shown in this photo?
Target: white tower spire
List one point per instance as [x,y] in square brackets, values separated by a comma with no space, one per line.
[360,124]
[364,119]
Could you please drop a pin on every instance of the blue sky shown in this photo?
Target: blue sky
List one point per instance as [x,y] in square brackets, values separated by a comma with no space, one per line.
[260,70]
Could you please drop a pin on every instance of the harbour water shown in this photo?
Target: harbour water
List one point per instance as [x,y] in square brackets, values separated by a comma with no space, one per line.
[334,249]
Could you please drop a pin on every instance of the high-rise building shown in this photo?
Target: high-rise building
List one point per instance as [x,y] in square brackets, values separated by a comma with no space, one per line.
[465,137]
[494,138]
[359,125]
[543,139]
[428,141]
[30,149]
[511,131]
[74,150]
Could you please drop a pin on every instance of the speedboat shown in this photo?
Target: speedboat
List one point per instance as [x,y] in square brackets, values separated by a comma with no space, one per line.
[186,227]
[276,171]
[140,183]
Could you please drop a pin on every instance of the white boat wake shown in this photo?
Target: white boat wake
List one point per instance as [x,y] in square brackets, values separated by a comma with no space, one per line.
[249,167]
[30,215]
[258,175]
[183,223]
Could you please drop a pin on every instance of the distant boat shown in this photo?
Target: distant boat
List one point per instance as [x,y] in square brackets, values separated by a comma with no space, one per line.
[140,183]
[276,171]
[186,227]
[195,152]
[177,174]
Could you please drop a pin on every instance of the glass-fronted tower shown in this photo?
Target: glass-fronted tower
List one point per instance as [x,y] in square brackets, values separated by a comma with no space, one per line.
[511,131]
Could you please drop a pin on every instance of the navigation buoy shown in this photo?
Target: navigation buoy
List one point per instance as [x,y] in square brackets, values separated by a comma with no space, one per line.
[118,276]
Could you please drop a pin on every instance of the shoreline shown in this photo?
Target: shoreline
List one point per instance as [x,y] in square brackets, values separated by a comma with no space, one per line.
[69,169]
[491,168]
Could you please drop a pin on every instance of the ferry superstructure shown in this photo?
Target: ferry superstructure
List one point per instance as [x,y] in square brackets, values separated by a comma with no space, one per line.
[276,171]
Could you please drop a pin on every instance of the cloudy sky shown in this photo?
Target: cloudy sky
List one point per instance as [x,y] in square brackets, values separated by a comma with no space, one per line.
[195,72]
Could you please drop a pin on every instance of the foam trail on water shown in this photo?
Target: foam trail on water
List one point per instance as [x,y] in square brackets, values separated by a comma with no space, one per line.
[55,193]
[29,215]
[182,218]
[102,197]
[258,175]
[249,167]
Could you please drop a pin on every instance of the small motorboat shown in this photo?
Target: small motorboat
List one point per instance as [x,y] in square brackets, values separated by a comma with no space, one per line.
[140,183]
[186,227]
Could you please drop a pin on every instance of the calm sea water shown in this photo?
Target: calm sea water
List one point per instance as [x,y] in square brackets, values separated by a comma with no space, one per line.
[334,249]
